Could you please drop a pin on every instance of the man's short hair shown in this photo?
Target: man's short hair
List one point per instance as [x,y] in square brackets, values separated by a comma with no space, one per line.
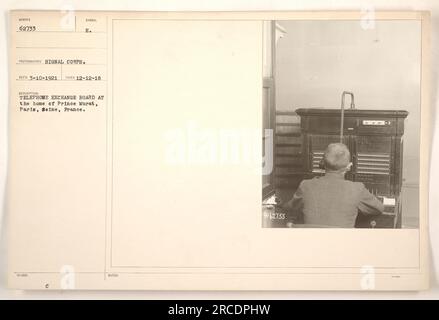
[336,157]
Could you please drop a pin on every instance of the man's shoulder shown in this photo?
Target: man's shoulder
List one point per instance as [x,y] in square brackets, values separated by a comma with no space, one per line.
[355,186]
[306,182]
[358,184]
[317,180]
[310,183]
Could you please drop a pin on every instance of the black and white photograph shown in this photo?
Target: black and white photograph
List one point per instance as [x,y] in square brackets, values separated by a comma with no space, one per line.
[341,120]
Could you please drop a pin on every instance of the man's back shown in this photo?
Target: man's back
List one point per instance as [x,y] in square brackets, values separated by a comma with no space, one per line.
[332,201]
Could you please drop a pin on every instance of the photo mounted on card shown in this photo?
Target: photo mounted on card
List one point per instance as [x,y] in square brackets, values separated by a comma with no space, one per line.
[136,162]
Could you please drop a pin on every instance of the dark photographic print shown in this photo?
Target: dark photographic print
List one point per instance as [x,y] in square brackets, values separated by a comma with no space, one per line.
[341,120]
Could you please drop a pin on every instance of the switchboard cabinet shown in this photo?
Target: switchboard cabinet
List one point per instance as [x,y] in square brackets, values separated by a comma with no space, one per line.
[374,138]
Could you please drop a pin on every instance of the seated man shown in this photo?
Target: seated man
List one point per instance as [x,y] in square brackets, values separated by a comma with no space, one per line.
[331,200]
